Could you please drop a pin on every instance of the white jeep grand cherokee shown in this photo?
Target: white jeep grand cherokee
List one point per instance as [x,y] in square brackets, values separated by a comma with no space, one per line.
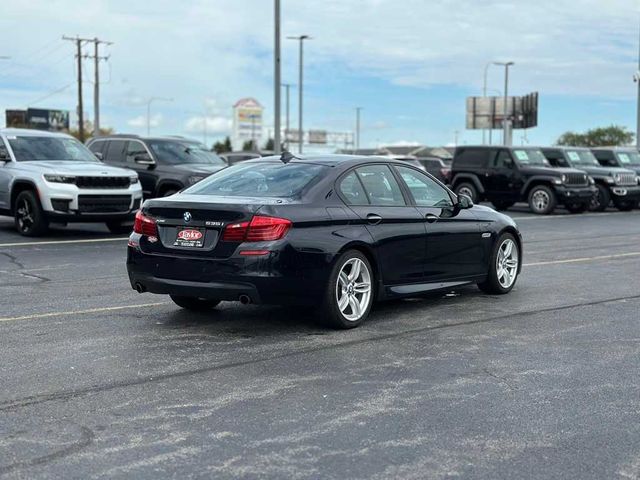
[51,177]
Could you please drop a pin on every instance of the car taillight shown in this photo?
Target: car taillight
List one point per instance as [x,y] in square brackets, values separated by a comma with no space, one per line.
[260,229]
[145,225]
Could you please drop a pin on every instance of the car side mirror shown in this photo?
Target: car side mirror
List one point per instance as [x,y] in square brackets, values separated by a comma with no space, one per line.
[144,159]
[464,202]
[4,156]
[99,156]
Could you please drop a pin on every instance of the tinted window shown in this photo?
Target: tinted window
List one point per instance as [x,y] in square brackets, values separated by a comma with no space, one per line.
[97,146]
[259,180]
[503,160]
[530,156]
[628,158]
[425,191]
[175,152]
[114,152]
[470,157]
[380,185]
[352,190]
[134,149]
[582,157]
[31,148]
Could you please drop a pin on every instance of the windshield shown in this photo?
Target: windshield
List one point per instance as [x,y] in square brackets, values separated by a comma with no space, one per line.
[175,153]
[29,148]
[259,180]
[530,157]
[628,157]
[582,157]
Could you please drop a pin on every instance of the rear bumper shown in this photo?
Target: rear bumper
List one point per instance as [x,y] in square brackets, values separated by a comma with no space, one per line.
[284,276]
[568,194]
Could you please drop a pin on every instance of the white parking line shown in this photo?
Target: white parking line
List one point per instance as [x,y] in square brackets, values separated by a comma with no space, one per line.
[584,259]
[582,215]
[80,312]
[56,242]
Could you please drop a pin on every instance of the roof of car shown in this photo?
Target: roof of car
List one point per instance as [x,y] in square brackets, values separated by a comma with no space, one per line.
[28,132]
[329,159]
[126,136]
[631,147]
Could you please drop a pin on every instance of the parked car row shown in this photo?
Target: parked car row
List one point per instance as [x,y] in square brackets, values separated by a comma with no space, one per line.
[578,178]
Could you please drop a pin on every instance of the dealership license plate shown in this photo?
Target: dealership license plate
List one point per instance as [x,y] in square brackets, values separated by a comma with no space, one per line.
[189,238]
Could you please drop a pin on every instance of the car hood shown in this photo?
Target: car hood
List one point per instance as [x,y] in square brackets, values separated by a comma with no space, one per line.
[196,168]
[63,167]
[605,171]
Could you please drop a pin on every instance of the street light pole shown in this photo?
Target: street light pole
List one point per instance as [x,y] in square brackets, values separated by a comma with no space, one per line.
[301,39]
[505,120]
[637,78]
[357,143]
[286,86]
[484,95]
[276,79]
[152,99]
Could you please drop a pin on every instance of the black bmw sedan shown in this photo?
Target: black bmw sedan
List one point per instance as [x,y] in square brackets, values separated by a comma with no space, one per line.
[333,232]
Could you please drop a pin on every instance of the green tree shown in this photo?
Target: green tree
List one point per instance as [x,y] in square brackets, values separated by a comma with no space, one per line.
[227,144]
[269,145]
[249,146]
[223,147]
[613,135]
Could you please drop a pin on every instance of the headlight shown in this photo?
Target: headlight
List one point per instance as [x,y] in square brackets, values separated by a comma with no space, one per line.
[591,181]
[133,179]
[558,181]
[610,180]
[195,179]
[60,178]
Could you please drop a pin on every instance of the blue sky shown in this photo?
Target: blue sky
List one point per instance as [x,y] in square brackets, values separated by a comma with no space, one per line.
[408,63]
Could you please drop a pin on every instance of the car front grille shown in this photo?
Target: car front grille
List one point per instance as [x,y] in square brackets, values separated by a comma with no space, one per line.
[103,182]
[103,203]
[577,179]
[625,178]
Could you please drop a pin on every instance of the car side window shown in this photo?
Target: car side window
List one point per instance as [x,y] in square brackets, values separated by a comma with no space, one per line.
[503,160]
[380,185]
[97,146]
[114,152]
[425,191]
[4,153]
[134,149]
[352,191]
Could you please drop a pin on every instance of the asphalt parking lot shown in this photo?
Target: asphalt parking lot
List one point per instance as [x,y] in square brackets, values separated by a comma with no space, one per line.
[99,381]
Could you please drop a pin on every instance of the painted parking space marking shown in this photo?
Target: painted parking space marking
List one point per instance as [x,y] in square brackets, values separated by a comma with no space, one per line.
[583,259]
[62,242]
[36,316]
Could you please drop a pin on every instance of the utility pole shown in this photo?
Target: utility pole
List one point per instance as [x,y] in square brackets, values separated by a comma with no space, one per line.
[637,79]
[357,142]
[78,41]
[96,88]
[505,121]
[276,78]
[301,39]
[96,83]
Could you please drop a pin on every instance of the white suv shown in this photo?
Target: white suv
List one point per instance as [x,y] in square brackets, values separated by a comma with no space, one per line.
[51,177]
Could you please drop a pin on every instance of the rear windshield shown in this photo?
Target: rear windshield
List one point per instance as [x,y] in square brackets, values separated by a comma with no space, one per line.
[628,158]
[259,180]
[582,157]
[30,148]
[530,157]
[176,152]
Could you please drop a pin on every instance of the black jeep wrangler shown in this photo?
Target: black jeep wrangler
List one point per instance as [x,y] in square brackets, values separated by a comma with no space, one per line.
[506,175]
[613,183]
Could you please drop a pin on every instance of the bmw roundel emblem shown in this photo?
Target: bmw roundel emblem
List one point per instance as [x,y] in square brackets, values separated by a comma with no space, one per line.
[187,217]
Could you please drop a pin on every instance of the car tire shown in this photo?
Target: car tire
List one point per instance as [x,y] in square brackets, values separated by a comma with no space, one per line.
[194,304]
[626,205]
[577,207]
[349,293]
[29,218]
[502,205]
[542,200]
[503,266]
[601,200]
[119,227]
[468,189]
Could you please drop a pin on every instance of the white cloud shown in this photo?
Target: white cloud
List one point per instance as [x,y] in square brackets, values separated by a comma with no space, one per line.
[141,121]
[214,125]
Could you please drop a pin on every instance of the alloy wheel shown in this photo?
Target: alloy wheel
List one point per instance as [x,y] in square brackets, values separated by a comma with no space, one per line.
[353,289]
[25,216]
[540,200]
[507,263]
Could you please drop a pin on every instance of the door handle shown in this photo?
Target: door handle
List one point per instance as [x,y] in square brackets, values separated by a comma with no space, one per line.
[374,219]
[431,218]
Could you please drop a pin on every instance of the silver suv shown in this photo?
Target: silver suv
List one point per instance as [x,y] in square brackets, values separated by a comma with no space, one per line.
[51,177]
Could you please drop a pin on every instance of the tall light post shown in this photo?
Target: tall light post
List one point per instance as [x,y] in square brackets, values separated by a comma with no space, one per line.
[357,142]
[287,87]
[301,39]
[276,78]
[484,95]
[149,101]
[505,120]
[636,78]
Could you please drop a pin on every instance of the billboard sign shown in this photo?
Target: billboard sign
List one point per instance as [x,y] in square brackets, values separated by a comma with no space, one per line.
[44,119]
[318,137]
[488,112]
[15,118]
[247,121]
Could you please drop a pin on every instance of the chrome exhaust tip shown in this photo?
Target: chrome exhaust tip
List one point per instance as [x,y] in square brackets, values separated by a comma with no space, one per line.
[244,299]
